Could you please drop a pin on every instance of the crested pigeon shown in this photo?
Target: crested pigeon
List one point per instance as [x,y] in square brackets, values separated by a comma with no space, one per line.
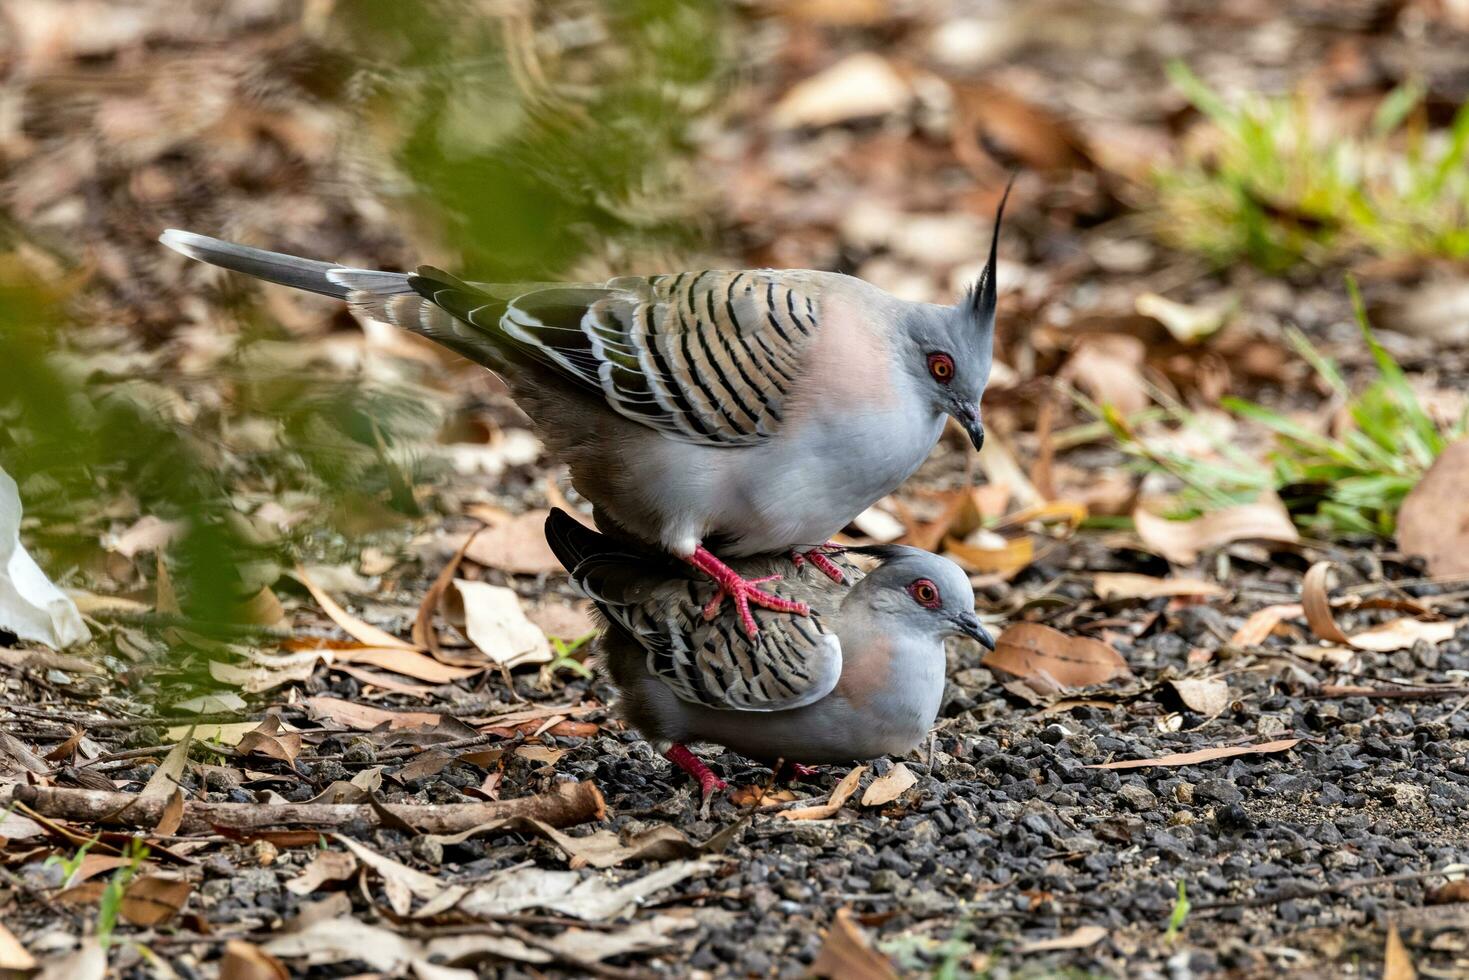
[861,676]
[738,412]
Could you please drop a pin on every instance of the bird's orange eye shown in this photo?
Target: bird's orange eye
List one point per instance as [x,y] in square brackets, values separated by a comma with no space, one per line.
[925,593]
[941,366]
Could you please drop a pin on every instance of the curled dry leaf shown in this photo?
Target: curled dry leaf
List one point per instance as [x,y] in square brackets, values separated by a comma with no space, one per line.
[1049,660]
[1397,963]
[364,633]
[165,779]
[848,953]
[13,956]
[246,961]
[497,625]
[861,86]
[1110,586]
[365,717]
[424,634]
[173,815]
[1398,634]
[324,867]
[1317,606]
[1433,522]
[1203,696]
[1080,938]
[827,810]
[1202,755]
[152,899]
[1181,542]
[517,545]
[409,663]
[1186,323]
[987,553]
[884,789]
[1262,623]
[270,740]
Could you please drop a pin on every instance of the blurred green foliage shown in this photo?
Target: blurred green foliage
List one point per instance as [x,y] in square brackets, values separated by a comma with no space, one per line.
[1278,180]
[523,146]
[534,144]
[1351,482]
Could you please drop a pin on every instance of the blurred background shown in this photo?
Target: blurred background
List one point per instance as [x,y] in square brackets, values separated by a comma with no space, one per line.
[1195,185]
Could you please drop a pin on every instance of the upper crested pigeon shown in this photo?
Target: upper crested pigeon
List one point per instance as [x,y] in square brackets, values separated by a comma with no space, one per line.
[863,676]
[750,412]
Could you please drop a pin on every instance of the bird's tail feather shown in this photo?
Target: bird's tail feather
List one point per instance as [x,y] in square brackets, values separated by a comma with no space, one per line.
[288,270]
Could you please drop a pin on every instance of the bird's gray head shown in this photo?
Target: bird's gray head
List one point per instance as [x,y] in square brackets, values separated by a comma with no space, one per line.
[950,347]
[919,594]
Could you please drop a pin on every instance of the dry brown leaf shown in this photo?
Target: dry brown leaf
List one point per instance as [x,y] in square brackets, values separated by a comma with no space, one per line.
[13,955]
[152,899]
[246,961]
[838,798]
[410,663]
[1204,696]
[1397,964]
[88,962]
[517,546]
[848,953]
[1080,938]
[387,682]
[365,717]
[540,753]
[1109,368]
[324,867]
[401,883]
[364,633]
[165,779]
[1005,557]
[173,815]
[1398,634]
[66,749]
[1126,585]
[1053,660]
[164,599]
[1449,893]
[1181,542]
[495,623]
[1202,755]
[258,678]
[1262,623]
[423,624]
[268,739]
[1401,634]
[884,789]
[860,86]
[1433,522]
[1317,606]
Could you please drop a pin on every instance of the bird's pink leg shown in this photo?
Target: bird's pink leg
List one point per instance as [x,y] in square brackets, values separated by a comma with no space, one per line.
[817,557]
[791,771]
[742,591]
[680,756]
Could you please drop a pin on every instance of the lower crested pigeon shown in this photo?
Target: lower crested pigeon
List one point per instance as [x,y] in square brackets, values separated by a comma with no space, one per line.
[743,412]
[861,677]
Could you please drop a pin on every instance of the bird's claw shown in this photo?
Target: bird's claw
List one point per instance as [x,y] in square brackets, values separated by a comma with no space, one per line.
[743,593]
[818,559]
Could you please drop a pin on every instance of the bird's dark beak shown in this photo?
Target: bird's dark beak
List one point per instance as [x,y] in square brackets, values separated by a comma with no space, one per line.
[970,626]
[967,415]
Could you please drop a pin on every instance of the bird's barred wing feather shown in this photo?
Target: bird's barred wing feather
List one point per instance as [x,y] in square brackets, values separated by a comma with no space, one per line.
[706,357]
[792,662]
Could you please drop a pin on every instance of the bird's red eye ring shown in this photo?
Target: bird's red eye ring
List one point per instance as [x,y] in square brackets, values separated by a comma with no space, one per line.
[941,366]
[925,593]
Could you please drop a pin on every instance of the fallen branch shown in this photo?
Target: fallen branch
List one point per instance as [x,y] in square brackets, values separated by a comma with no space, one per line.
[566,805]
[1395,691]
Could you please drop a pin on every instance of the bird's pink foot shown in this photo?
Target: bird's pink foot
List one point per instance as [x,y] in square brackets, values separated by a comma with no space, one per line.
[817,557]
[741,591]
[791,771]
[680,756]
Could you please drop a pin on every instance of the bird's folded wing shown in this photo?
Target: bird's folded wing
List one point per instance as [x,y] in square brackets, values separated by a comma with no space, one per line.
[706,357]
[794,661]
